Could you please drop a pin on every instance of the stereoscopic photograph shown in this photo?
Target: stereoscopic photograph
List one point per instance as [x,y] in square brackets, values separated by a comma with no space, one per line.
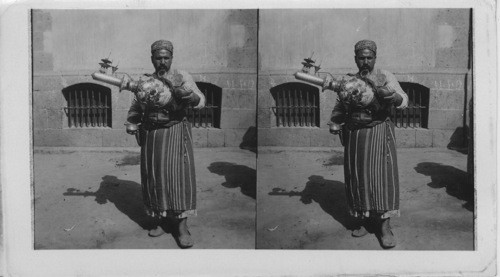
[144,128]
[365,137]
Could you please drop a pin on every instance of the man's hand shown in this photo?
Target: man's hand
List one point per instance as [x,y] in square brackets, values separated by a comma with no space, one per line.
[389,96]
[191,99]
[384,91]
[180,92]
[394,99]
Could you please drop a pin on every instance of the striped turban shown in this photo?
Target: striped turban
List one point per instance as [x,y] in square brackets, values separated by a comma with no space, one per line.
[162,44]
[365,44]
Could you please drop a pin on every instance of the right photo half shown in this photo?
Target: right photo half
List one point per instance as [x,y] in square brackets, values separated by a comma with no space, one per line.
[365,135]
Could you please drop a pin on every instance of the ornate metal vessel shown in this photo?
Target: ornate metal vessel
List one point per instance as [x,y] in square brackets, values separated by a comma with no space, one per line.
[150,92]
[353,90]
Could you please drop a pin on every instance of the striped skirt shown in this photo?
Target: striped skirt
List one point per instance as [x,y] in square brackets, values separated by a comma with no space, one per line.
[371,171]
[167,171]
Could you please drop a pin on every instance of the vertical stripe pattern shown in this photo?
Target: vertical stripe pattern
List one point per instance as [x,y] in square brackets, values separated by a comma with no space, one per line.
[371,170]
[167,169]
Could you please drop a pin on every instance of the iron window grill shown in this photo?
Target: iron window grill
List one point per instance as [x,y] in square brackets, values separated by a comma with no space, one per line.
[417,113]
[209,116]
[297,105]
[88,105]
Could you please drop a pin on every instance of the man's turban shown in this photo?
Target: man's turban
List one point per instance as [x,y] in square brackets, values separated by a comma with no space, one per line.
[365,44]
[162,44]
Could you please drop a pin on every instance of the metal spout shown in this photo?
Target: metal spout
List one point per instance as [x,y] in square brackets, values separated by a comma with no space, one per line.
[315,80]
[106,79]
[122,83]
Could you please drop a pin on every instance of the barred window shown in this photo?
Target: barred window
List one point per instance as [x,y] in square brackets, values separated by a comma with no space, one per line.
[296,105]
[417,113]
[209,116]
[88,105]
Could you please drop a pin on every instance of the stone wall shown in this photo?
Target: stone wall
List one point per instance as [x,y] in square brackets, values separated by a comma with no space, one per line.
[425,46]
[429,47]
[215,46]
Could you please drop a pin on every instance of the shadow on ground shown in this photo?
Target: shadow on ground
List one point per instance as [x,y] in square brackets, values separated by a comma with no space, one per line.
[236,175]
[330,195]
[126,195]
[455,181]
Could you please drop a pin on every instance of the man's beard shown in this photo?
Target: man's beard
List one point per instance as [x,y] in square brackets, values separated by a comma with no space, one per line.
[162,70]
[365,70]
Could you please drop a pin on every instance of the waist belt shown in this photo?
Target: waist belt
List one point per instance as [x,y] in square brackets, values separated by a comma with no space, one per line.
[151,125]
[157,117]
[162,119]
[358,119]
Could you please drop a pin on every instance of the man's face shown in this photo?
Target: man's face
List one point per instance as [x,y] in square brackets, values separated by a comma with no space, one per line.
[162,60]
[365,60]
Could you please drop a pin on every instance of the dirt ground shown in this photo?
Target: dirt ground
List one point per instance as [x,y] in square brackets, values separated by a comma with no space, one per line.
[302,204]
[91,199]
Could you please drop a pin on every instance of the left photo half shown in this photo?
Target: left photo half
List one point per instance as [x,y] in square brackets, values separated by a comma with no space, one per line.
[144,129]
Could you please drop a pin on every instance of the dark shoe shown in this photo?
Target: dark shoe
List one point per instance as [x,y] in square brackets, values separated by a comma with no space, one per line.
[387,239]
[158,231]
[360,232]
[185,241]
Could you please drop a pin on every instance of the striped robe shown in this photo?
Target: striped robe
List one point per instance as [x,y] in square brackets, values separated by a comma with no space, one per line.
[370,160]
[168,176]
[167,171]
[371,171]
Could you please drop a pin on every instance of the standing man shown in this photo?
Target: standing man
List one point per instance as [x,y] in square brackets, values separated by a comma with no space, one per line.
[370,162]
[167,164]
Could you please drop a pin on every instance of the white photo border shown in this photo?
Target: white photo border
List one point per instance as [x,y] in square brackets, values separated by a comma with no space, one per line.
[20,259]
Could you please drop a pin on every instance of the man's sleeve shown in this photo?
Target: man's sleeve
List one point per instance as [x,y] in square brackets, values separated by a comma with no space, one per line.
[393,84]
[135,112]
[189,84]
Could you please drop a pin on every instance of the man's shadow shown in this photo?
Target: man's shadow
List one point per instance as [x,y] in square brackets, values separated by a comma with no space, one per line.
[330,195]
[236,175]
[126,195]
[455,181]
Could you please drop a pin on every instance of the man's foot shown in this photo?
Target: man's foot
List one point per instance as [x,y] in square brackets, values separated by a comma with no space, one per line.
[183,235]
[158,231]
[387,239]
[360,232]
